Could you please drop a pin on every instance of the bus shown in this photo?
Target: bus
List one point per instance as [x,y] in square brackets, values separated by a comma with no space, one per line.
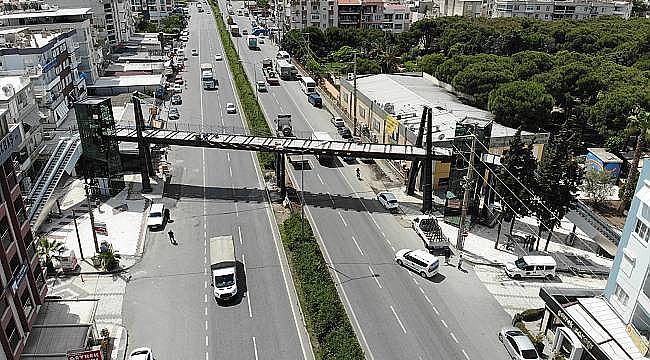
[324,138]
[308,85]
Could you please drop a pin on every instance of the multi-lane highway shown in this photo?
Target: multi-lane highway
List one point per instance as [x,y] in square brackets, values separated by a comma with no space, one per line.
[396,314]
[169,303]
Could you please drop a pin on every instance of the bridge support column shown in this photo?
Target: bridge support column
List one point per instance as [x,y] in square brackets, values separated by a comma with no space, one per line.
[415,164]
[280,174]
[427,171]
[142,145]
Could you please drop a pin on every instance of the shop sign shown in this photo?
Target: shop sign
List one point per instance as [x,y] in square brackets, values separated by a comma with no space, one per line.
[568,322]
[9,144]
[85,355]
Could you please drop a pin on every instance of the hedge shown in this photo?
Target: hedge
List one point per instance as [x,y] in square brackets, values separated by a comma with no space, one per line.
[331,333]
[252,110]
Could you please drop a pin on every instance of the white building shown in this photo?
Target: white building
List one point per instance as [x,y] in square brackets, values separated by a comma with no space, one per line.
[51,60]
[153,10]
[61,20]
[112,19]
[558,9]
[18,106]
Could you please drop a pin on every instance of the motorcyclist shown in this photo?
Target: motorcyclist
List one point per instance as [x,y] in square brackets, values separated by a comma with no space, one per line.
[358,173]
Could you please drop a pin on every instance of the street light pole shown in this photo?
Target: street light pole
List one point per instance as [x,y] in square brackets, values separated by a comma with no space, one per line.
[76,228]
[92,219]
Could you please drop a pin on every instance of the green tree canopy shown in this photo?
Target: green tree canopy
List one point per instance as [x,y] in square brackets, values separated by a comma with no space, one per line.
[521,104]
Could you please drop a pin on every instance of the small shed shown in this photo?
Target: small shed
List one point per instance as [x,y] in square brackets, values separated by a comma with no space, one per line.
[600,159]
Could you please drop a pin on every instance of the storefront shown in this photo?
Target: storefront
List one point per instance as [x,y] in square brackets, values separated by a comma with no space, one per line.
[583,326]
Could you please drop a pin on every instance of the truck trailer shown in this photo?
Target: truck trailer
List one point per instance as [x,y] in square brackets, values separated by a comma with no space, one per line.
[207,76]
[286,70]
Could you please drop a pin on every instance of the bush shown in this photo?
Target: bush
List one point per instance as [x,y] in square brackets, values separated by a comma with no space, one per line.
[252,110]
[531,315]
[328,324]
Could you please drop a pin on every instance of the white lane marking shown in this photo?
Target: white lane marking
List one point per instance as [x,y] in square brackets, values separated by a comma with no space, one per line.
[228,156]
[255,348]
[398,320]
[241,242]
[205,250]
[205,284]
[342,219]
[383,234]
[415,281]
[430,303]
[357,244]
[372,272]
[320,179]
[444,323]
[375,221]
[205,271]
[205,311]
[236,209]
[392,248]
[464,353]
[205,298]
[206,356]
[248,293]
[230,170]
[206,325]
[453,337]
[206,341]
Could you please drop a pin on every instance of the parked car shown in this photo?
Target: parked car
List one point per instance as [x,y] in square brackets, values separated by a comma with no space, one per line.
[174,114]
[345,133]
[177,99]
[156,218]
[230,108]
[178,89]
[244,32]
[261,86]
[218,57]
[419,261]
[195,52]
[388,200]
[142,353]
[517,344]
[338,122]
[260,39]
[185,38]
[315,100]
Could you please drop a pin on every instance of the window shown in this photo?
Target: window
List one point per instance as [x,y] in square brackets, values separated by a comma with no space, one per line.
[627,263]
[14,264]
[641,230]
[4,305]
[12,334]
[5,234]
[621,295]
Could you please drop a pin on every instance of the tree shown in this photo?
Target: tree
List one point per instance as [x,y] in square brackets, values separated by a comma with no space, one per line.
[429,63]
[262,4]
[479,79]
[171,24]
[558,178]
[640,124]
[516,179]
[48,249]
[524,104]
[597,186]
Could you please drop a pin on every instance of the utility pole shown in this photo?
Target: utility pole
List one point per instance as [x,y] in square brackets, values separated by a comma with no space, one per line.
[460,240]
[92,219]
[76,228]
[354,111]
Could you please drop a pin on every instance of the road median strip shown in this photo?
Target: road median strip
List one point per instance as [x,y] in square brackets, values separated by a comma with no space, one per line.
[330,330]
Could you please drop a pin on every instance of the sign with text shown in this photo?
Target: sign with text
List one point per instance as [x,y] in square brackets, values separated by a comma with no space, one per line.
[85,355]
[10,143]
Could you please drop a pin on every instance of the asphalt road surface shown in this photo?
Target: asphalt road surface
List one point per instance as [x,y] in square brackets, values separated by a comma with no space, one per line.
[169,303]
[396,314]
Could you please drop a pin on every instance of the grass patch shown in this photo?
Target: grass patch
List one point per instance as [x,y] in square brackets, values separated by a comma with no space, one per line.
[252,110]
[331,333]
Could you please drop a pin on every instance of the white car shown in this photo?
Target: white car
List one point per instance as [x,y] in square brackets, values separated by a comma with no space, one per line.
[218,57]
[517,344]
[230,108]
[388,200]
[419,261]
[178,89]
[174,114]
[195,52]
[142,353]
[156,218]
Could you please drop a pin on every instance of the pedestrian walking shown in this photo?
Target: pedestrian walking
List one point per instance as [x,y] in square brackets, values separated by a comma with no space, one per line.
[173,240]
[167,214]
[460,261]
[447,255]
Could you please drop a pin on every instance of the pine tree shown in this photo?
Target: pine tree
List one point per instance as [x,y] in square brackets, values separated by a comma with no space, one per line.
[517,168]
[558,179]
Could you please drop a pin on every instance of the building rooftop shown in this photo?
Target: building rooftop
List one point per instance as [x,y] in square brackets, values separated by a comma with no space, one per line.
[605,155]
[144,66]
[405,96]
[9,85]
[45,13]
[122,81]
[395,7]
[23,38]
[349,2]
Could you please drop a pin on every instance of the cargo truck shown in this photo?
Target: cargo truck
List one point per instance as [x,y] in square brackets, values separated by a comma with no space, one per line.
[283,122]
[324,142]
[207,76]
[270,76]
[234,30]
[429,230]
[223,267]
[287,71]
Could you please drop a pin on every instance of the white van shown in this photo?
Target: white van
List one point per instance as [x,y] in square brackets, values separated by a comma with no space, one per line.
[419,261]
[283,55]
[532,266]
[156,218]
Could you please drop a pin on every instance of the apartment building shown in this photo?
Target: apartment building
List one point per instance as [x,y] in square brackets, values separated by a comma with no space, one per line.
[465,8]
[19,106]
[152,10]
[375,14]
[54,20]
[51,61]
[112,19]
[628,285]
[22,278]
[555,10]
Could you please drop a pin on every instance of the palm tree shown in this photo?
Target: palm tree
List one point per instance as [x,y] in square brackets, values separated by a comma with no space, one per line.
[48,249]
[639,124]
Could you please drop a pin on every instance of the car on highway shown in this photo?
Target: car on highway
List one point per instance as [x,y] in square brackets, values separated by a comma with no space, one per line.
[218,57]
[178,89]
[518,344]
[177,99]
[338,122]
[142,353]
[244,32]
[185,38]
[388,200]
[195,52]
[174,114]
[260,39]
[261,86]
[185,33]
[419,261]
[156,218]
[230,108]
[345,133]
